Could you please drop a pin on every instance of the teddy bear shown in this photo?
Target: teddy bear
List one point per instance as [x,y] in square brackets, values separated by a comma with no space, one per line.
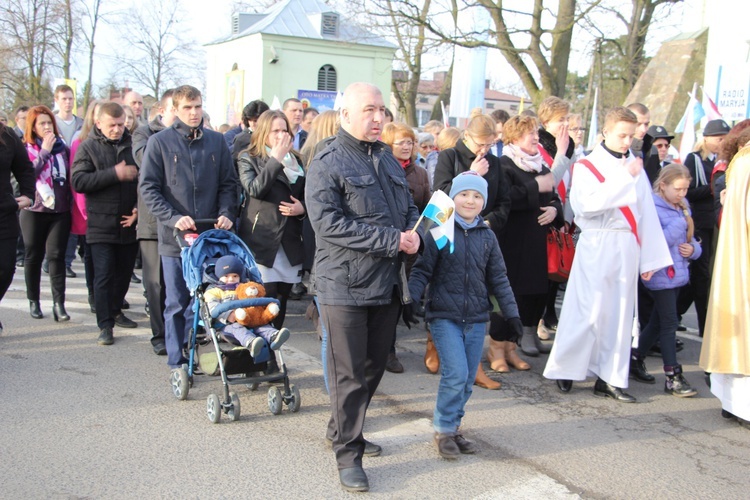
[250,317]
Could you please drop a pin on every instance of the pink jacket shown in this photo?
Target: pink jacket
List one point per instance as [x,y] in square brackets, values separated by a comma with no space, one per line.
[78,214]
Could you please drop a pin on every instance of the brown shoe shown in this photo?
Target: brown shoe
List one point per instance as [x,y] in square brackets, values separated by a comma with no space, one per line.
[496,356]
[482,380]
[431,359]
[512,357]
[446,446]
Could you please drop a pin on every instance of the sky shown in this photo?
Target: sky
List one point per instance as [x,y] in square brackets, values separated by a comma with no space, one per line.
[207,21]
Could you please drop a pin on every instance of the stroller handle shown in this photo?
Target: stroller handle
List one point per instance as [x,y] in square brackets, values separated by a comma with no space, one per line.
[185,238]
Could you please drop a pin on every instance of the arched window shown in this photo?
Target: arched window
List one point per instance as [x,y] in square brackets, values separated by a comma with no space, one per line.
[327,78]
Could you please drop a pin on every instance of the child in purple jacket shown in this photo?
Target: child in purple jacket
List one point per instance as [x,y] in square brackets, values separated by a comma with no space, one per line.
[670,189]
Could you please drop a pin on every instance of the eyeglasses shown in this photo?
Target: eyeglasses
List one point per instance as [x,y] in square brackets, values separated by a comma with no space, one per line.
[662,146]
[403,143]
[479,144]
[578,129]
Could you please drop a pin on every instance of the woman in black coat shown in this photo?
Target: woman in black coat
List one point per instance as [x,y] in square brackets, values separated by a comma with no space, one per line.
[271,220]
[534,206]
[13,159]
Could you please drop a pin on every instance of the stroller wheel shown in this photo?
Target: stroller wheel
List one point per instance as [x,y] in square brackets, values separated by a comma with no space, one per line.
[213,408]
[180,383]
[294,400]
[234,408]
[274,400]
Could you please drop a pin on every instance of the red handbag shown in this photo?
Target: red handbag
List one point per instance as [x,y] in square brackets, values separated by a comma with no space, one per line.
[560,252]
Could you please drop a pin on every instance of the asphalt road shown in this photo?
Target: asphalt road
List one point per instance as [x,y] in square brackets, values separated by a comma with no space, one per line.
[80,420]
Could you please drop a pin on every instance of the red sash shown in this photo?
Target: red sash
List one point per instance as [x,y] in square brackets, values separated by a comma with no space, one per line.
[625,210]
[561,189]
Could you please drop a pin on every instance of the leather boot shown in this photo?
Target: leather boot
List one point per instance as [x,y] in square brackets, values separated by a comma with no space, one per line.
[59,313]
[431,359]
[529,340]
[496,356]
[482,380]
[512,357]
[35,310]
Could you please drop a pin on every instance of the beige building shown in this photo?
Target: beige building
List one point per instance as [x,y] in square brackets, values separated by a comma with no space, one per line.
[295,45]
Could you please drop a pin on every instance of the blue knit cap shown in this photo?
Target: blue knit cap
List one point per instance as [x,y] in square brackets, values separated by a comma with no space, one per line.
[229,264]
[469,180]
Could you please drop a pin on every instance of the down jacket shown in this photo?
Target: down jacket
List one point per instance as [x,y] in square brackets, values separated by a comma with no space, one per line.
[461,282]
[358,202]
[107,198]
[674,225]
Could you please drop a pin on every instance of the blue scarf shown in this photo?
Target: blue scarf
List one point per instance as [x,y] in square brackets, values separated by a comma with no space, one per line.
[468,225]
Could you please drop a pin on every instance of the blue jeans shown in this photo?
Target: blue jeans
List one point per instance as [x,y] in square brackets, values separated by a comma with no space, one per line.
[662,326]
[178,315]
[459,348]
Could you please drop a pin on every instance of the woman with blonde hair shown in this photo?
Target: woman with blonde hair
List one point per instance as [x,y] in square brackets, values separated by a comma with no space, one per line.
[472,152]
[131,123]
[534,207]
[323,126]
[272,176]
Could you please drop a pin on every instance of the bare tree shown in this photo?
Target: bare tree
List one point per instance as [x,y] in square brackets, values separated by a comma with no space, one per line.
[93,16]
[28,31]
[157,54]
[67,15]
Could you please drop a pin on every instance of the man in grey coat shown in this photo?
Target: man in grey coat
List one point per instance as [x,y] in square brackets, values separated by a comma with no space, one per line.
[362,213]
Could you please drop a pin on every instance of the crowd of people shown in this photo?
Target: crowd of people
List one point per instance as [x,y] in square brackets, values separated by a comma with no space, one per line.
[337,196]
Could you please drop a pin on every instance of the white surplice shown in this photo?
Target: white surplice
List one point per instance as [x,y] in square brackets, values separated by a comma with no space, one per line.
[595,329]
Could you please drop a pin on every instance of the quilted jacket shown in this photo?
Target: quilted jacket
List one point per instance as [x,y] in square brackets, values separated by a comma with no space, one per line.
[461,282]
[674,225]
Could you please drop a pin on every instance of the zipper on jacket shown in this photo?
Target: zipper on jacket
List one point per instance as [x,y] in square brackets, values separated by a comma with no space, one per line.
[255,222]
[174,170]
[466,274]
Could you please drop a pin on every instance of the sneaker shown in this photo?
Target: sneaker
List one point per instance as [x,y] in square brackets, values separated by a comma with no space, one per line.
[255,346]
[393,365]
[676,385]
[464,445]
[279,338]
[70,273]
[105,337]
[124,322]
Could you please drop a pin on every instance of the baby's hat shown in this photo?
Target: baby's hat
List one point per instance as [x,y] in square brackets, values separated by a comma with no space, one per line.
[469,180]
[229,264]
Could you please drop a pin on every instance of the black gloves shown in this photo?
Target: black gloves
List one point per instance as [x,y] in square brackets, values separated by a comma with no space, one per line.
[515,328]
[409,315]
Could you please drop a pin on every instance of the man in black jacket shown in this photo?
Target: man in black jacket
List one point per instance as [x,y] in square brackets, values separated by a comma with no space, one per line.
[104,170]
[362,212]
[187,175]
[153,278]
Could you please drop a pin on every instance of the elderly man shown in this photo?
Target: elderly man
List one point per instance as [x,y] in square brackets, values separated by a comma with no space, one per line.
[135,101]
[360,207]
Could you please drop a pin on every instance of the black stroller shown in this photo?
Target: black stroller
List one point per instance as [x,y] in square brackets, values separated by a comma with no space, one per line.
[207,348]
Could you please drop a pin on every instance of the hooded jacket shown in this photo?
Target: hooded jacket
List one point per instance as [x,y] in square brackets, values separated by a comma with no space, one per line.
[107,198]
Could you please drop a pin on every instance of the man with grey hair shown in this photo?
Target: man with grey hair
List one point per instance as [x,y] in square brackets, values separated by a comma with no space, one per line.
[135,101]
[360,208]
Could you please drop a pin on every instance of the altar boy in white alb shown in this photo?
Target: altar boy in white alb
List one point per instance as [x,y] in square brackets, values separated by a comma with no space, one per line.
[621,237]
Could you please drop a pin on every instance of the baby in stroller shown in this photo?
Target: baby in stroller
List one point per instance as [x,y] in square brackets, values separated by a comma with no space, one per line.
[229,270]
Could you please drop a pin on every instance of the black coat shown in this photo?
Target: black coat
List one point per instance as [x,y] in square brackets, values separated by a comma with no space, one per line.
[523,241]
[454,161]
[262,226]
[699,195]
[358,202]
[108,198]
[147,227]
[13,160]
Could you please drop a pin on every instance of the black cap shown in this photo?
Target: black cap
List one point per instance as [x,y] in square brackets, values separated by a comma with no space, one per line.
[659,132]
[716,127]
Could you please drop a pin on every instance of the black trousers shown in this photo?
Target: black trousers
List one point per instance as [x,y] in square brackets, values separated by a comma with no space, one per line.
[153,283]
[359,338]
[700,281]
[45,233]
[113,266]
[7,263]
[281,291]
